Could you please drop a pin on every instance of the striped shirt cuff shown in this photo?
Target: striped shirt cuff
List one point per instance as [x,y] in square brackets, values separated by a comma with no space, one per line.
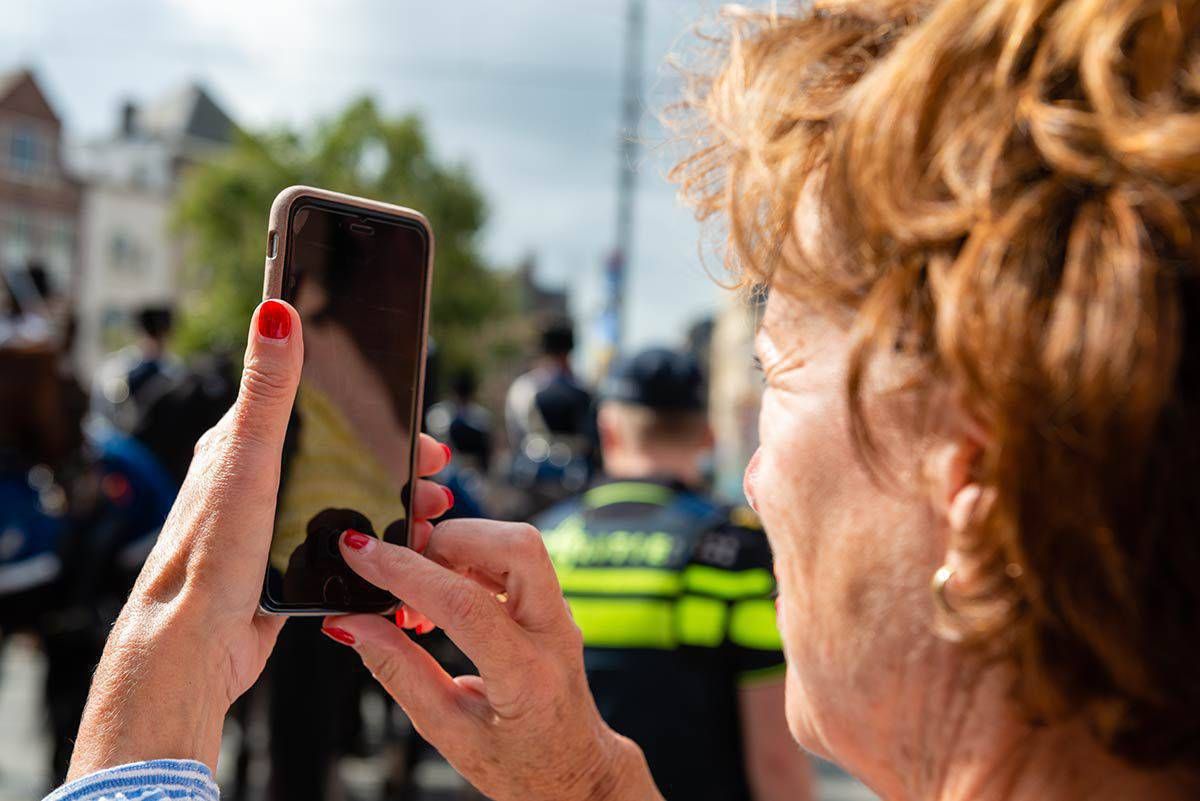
[156,780]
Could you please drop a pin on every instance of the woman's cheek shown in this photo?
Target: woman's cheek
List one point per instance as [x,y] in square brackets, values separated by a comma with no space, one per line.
[782,476]
[766,481]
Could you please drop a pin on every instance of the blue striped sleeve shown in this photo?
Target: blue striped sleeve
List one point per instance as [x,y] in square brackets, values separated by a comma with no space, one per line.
[156,780]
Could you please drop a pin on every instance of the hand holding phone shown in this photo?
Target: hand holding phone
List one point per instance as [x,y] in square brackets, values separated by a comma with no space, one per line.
[193,652]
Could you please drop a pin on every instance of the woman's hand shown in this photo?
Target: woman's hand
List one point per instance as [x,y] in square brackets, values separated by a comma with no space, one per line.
[190,640]
[526,728]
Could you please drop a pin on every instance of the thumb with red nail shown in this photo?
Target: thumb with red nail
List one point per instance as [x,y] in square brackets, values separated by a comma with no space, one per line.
[194,607]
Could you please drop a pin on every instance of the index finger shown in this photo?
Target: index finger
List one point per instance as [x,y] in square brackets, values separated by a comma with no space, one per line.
[470,615]
[432,456]
[511,555]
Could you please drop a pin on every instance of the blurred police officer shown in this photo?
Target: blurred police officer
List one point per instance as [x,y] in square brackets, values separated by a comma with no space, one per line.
[674,595]
[550,418]
[129,381]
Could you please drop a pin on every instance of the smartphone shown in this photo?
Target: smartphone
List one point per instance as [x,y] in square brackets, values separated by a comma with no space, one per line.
[359,272]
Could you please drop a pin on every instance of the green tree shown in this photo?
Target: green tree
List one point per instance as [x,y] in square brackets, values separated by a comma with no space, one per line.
[222,212]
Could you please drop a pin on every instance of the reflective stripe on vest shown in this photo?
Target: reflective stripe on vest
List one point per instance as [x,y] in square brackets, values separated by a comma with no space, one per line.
[752,625]
[729,585]
[627,492]
[668,623]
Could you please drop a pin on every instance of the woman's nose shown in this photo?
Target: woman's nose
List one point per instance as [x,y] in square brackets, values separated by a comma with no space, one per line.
[748,479]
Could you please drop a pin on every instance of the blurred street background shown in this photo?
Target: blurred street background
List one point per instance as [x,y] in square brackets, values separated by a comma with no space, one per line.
[141,144]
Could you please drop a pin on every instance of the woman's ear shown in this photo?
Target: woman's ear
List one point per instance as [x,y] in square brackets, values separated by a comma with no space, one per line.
[961,509]
[960,500]
[953,477]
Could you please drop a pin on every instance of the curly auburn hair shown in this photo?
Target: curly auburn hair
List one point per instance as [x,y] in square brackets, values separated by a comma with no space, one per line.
[1009,190]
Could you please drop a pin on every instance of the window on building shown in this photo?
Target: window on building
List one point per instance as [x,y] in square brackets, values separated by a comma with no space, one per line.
[62,234]
[114,329]
[58,244]
[25,151]
[16,231]
[124,254]
[139,176]
[20,227]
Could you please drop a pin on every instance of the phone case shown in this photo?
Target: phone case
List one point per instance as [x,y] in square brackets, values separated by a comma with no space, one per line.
[277,233]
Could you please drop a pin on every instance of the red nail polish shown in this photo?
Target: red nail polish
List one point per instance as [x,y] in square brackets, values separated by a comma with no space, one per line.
[449,496]
[356,540]
[401,618]
[274,321]
[446,450]
[424,628]
[340,635]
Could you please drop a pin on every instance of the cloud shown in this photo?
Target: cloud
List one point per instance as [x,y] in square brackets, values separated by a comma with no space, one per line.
[525,92]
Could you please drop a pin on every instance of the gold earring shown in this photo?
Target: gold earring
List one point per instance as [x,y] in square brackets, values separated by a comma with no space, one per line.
[940,579]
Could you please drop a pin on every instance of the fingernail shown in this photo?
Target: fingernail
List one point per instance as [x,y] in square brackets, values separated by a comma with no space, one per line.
[401,618]
[449,496]
[340,635]
[425,627]
[357,541]
[446,450]
[274,322]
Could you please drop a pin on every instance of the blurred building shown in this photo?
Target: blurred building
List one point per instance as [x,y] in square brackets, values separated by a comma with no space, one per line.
[131,258]
[538,301]
[735,391]
[39,199]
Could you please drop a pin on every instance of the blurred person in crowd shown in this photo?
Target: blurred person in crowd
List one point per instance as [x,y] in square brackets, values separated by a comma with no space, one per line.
[463,424]
[467,428]
[187,402]
[550,417]
[77,516]
[979,222]
[133,378]
[118,497]
[37,334]
[80,507]
[32,313]
[673,592]
[38,440]
[39,398]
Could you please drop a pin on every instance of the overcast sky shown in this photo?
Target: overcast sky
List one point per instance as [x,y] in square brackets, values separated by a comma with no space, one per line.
[525,92]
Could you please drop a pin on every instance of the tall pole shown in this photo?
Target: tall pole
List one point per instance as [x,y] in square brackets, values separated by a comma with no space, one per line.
[617,265]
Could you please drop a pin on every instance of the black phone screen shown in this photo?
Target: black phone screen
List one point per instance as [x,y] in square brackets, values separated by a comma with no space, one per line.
[358,282]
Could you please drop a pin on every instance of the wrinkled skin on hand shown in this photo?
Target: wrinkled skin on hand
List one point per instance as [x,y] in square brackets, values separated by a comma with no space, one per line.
[526,727]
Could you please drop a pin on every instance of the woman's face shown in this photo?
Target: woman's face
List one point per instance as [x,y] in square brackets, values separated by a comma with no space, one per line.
[853,555]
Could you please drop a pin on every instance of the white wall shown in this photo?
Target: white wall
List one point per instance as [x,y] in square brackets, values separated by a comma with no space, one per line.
[128,261]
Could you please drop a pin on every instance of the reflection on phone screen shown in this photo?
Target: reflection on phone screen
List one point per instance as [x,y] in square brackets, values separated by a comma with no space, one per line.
[357,282]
